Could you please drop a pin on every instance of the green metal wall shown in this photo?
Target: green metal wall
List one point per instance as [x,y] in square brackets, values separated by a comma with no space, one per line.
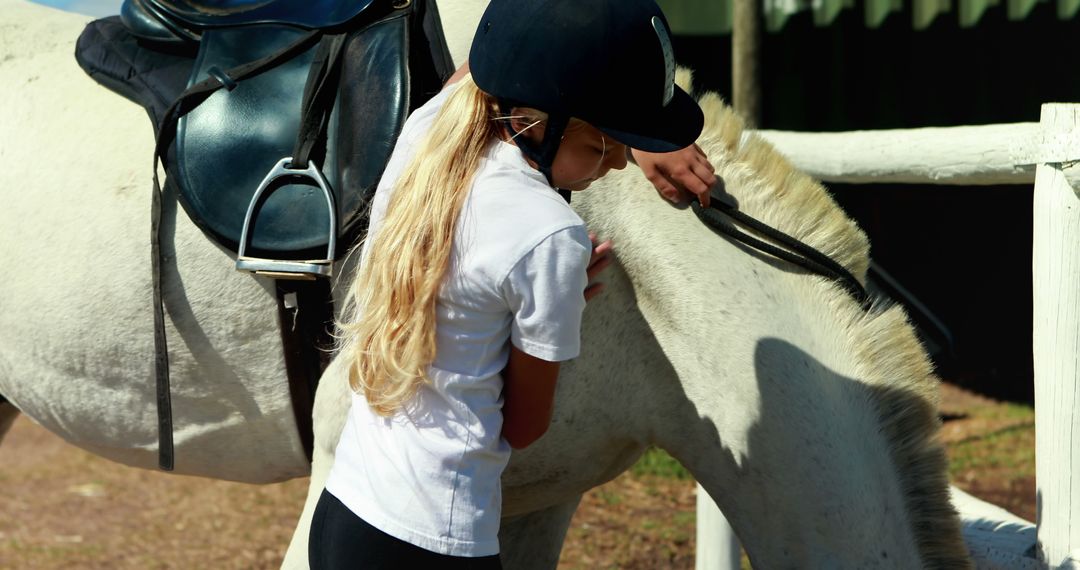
[710,17]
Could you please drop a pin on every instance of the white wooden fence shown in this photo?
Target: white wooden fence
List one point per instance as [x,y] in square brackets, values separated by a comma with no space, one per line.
[1046,154]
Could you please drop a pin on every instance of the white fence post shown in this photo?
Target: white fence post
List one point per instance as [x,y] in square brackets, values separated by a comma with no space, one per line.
[1056,342]
[717,546]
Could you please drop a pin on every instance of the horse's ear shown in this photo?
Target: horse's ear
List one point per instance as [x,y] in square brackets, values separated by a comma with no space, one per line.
[684,78]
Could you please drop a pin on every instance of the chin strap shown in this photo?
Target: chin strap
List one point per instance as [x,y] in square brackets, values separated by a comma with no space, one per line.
[544,153]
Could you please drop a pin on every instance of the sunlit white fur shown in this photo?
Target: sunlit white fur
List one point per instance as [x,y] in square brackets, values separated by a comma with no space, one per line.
[809,422]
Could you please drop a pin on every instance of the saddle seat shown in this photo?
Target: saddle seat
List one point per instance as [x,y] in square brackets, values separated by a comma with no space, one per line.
[187,18]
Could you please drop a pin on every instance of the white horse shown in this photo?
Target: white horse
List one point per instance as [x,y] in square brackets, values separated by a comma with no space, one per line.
[810,422]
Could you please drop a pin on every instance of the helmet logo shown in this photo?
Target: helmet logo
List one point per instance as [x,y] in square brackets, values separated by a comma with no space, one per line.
[669,58]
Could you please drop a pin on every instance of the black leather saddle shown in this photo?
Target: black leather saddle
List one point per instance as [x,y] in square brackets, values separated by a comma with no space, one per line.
[228,158]
[274,120]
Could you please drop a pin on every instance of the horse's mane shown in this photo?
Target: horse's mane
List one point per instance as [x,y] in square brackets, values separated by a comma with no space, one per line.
[891,362]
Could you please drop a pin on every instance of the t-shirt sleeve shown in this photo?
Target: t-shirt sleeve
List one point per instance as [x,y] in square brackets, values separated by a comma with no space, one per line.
[545,291]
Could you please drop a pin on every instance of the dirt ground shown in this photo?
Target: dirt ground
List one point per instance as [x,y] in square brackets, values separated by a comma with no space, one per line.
[64,508]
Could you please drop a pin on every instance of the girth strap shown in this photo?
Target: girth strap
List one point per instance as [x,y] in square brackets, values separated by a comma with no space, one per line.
[801,254]
[306,317]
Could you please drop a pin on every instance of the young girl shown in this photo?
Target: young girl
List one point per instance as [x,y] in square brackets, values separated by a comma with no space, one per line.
[473,279]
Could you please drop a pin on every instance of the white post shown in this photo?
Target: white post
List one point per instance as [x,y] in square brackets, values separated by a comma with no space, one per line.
[1056,343]
[717,546]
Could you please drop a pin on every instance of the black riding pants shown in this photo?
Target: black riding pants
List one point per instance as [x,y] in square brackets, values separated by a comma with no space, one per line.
[339,539]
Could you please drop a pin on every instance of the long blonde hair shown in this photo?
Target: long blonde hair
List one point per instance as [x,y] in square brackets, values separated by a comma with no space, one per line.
[389,332]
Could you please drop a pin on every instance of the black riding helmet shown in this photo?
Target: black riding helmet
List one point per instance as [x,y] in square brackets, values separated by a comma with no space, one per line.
[606,62]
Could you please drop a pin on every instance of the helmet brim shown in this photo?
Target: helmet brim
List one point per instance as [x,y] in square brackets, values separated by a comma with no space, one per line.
[665,129]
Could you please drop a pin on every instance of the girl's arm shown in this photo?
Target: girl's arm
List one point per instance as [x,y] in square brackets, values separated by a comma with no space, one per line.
[528,397]
[529,382]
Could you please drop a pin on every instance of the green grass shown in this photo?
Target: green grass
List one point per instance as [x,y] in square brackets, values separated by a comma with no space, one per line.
[1011,447]
[610,498]
[1018,411]
[658,463]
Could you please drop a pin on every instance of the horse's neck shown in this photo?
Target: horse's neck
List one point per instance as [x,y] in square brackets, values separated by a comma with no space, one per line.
[769,414]
[459,19]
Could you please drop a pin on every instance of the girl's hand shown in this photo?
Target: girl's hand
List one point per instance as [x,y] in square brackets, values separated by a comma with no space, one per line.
[678,174]
[600,259]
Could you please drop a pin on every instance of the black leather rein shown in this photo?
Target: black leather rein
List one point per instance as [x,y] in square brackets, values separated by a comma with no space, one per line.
[797,252]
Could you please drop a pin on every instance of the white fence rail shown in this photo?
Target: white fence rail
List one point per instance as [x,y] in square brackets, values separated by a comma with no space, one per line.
[1046,154]
[989,154]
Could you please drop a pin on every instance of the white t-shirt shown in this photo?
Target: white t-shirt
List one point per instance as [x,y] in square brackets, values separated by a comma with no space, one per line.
[430,475]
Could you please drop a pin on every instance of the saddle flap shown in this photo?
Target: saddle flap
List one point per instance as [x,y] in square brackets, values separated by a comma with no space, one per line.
[226,146]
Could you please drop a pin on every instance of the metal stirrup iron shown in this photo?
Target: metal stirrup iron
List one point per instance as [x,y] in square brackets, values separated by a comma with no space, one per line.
[319,94]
